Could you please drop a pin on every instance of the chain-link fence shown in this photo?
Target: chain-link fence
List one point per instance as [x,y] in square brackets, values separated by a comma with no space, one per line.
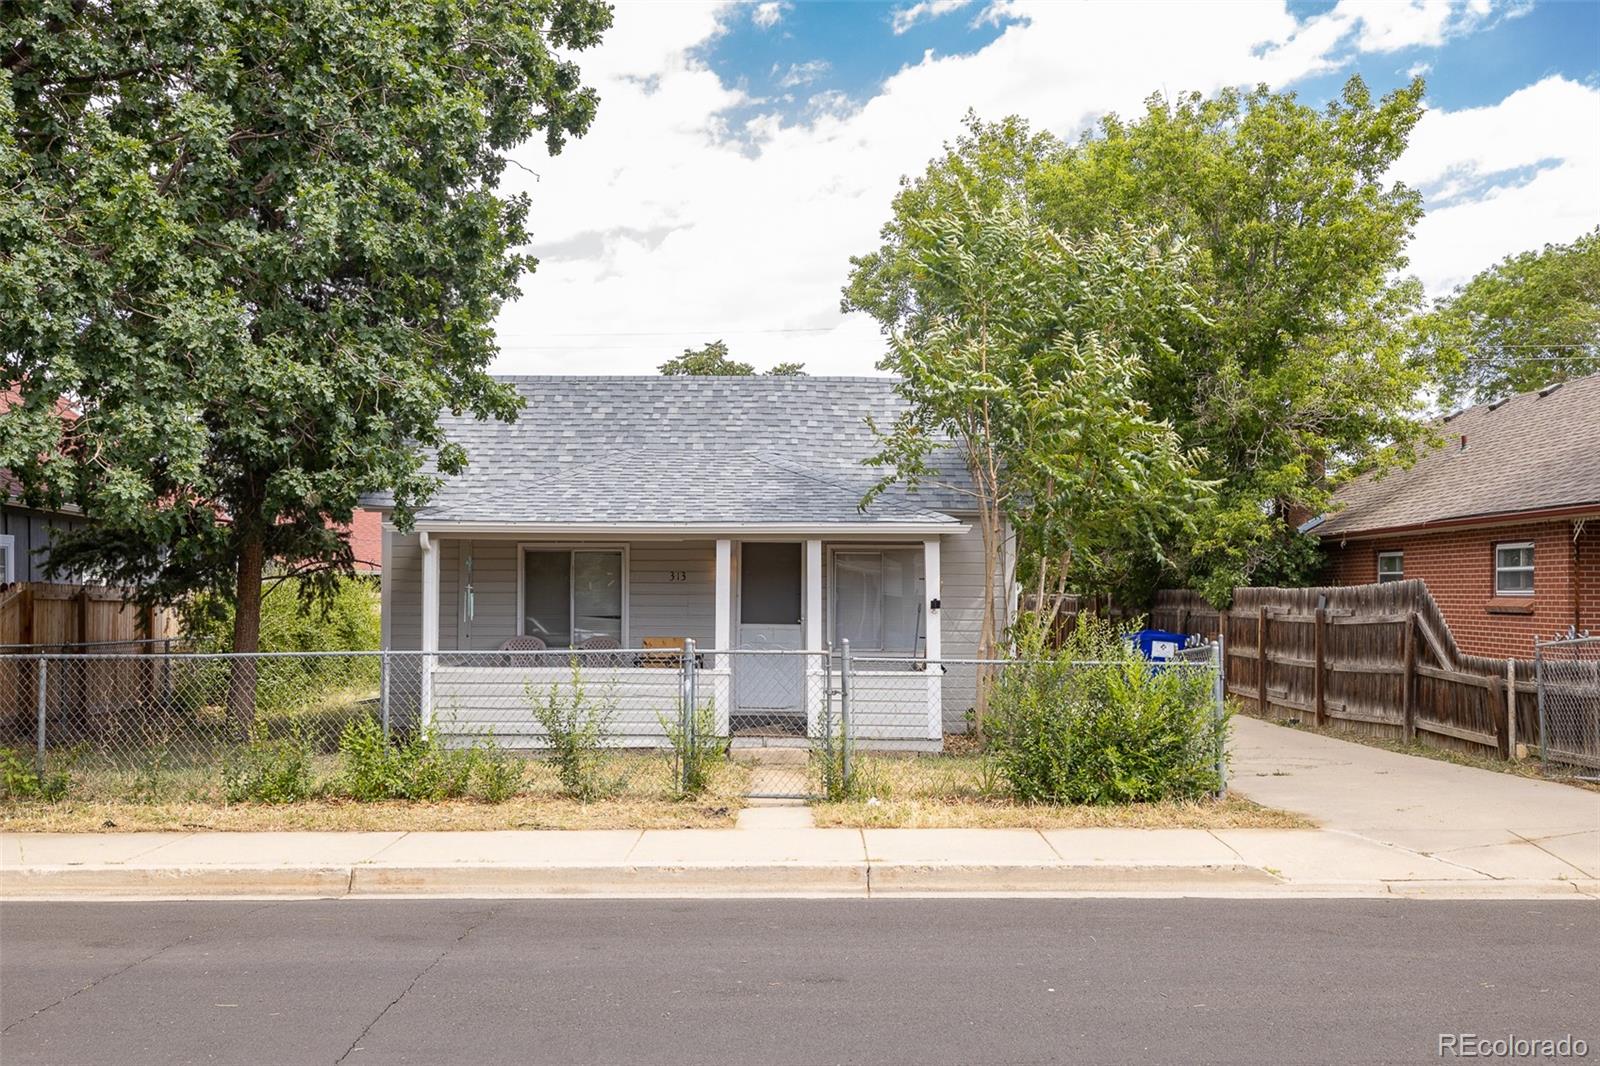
[1567,673]
[794,719]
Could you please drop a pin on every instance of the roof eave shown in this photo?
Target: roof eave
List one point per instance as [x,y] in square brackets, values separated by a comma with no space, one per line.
[1492,518]
[766,529]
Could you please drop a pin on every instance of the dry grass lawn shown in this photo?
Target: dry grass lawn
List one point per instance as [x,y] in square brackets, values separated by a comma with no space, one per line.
[958,792]
[190,799]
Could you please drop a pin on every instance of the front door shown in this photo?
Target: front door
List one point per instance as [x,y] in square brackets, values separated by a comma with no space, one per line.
[769,690]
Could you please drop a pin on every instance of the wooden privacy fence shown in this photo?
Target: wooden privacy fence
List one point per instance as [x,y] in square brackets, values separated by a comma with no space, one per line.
[38,616]
[1377,659]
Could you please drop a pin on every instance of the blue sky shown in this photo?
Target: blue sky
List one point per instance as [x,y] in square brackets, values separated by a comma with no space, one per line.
[744,151]
[852,48]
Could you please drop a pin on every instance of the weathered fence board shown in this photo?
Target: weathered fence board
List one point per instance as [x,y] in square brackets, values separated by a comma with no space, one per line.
[1379,659]
[40,616]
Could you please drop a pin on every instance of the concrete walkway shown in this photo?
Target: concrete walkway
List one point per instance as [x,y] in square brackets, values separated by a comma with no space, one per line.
[1498,825]
[769,860]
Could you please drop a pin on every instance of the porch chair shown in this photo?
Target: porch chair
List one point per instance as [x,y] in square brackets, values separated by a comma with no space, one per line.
[523,644]
[601,642]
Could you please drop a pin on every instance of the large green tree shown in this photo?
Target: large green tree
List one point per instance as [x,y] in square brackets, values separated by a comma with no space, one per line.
[1030,364]
[714,361]
[1295,241]
[258,244]
[1529,320]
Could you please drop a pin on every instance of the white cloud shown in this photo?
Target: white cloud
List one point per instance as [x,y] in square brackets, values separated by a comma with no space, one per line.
[768,14]
[1503,178]
[669,221]
[1417,70]
[906,17]
[802,73]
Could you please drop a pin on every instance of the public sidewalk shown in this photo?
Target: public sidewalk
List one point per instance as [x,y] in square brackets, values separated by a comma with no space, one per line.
[1390,825]
[760,861]
[1500,825]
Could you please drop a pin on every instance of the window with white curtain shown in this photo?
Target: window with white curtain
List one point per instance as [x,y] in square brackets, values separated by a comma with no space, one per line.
[8,558]
[570,595]
[1513,569]
[1391,567]
[877,600]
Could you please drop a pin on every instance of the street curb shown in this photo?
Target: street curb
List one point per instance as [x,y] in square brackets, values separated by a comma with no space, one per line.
[160,882]
[841,880]
[933,878]
[501,880]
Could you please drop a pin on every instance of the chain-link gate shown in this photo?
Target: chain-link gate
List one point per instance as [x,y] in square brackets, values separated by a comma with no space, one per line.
[1567,675]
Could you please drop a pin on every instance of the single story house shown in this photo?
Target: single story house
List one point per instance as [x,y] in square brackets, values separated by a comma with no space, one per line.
[638,512]
[1502,522]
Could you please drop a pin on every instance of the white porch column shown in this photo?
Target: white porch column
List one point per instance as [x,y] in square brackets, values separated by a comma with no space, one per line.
[724,600]
[934,642]
[813,611]
[430,621]
[814,673]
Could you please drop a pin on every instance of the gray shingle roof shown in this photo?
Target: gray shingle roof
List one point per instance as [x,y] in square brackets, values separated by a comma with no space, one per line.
[686,450]
[1532,452]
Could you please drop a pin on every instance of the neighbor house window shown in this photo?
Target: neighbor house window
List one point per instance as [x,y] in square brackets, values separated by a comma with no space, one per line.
[1513,569]
[877,600]
[8,558]
[571,595]
[1391,567]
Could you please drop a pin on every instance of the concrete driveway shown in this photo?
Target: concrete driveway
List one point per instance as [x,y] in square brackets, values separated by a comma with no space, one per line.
[1497,824]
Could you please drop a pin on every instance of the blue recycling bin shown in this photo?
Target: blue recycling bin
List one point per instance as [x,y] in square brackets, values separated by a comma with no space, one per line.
[1158,645]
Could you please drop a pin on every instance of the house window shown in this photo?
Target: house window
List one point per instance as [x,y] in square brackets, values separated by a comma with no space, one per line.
[1391,567]
[570,595]
[877,600]
[1513,569]
[8,558]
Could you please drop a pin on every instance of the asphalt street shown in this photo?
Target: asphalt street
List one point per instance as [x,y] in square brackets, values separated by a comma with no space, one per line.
[882,982]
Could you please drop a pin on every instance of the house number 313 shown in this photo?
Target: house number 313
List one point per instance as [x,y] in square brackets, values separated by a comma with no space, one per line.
[677,575]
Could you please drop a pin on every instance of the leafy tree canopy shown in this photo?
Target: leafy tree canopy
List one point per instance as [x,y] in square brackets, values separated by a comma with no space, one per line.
[1524,323]
[713,361]
[1031,361]
[1292,243]
[259,245]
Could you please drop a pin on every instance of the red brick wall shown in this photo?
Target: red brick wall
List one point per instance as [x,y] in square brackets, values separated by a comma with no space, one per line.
[365,534]
[1458,567]
[1589,577]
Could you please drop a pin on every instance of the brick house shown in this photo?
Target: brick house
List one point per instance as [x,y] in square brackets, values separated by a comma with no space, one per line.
[1502,522]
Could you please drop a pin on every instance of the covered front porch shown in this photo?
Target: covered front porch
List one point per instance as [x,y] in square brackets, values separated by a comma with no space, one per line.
[767,612]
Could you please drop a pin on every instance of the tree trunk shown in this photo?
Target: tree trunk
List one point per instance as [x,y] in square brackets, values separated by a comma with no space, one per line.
[986,630]
[246,635]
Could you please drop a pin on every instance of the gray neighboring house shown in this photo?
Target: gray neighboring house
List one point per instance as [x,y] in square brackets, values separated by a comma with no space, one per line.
[649,510]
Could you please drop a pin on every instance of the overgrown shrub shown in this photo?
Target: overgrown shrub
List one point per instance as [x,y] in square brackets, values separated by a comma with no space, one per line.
[577,729]
[269,770]
[695,756]
[20,780]
[498,775]
[415,767]
[1095,722]
[346,621]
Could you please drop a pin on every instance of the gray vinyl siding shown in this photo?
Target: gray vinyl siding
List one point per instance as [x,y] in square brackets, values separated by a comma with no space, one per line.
[961,578]
[34,531]
[657,605]
[661,607]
